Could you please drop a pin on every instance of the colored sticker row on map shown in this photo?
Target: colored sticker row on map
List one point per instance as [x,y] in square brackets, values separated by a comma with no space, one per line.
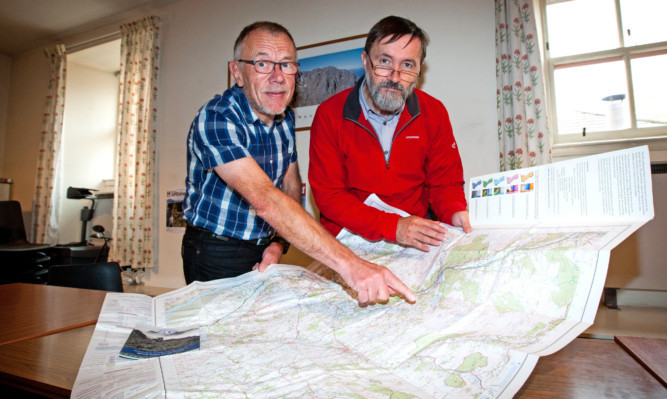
[503,185]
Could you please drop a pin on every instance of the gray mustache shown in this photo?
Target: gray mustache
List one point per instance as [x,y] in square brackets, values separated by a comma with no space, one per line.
[390,85]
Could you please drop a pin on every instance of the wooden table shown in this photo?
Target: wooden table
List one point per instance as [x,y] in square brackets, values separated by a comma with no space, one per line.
[586,368]
[46,365]
[589,369]
[33,310]
[44,334]
[649,352]
[45,331]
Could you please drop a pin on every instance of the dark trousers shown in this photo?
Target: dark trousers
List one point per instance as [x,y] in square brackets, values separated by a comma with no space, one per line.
[207,256]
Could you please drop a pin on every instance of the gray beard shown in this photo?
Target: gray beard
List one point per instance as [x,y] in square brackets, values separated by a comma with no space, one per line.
[263,109]
[389,102]
[260,108]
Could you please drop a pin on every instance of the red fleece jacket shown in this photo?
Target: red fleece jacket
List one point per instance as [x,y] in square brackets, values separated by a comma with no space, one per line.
[347,164]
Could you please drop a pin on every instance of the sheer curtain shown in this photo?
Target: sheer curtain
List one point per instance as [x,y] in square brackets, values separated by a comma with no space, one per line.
[523,133]
[134,201]
[49,179]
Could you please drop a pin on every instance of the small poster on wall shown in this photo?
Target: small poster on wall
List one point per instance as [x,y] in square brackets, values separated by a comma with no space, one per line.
[175,221]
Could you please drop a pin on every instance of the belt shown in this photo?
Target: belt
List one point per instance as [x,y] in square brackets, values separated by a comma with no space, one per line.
[259,241]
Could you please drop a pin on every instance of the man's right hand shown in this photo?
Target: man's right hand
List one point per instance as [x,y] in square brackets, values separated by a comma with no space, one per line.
[373,283]
[419,233]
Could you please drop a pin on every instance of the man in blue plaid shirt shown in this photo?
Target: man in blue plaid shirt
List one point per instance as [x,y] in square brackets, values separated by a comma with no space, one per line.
[243,183]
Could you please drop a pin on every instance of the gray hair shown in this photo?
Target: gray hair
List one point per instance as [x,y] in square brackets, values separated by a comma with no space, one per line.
[267,26]
[396,27]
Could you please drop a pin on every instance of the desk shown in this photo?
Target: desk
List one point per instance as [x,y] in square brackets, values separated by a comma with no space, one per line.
[46,365]
[34,310]
[649,352]
[44,334]
[586,368]
[590,369]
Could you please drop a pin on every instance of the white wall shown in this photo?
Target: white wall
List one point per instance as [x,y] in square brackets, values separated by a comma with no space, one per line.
[196,42]
[89,134]
[28,87]
[197,39]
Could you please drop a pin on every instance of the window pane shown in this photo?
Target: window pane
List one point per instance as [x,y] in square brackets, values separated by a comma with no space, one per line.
[650,84]
[592,96]
[644,21]
[581,26]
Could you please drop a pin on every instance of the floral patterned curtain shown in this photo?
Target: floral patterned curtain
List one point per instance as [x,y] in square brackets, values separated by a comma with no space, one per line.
[49,181]
[134,201]
[523,133]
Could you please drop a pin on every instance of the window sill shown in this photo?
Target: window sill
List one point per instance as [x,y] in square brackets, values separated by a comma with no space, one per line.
[657,148]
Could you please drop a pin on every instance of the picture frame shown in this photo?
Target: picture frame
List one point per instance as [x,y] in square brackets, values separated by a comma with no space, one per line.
[326,68]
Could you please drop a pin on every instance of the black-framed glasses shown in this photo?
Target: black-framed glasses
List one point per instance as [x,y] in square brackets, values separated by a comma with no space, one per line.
[268,66]
[385,72]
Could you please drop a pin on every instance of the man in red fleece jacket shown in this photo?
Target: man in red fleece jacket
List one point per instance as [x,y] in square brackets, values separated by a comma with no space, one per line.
[383,136]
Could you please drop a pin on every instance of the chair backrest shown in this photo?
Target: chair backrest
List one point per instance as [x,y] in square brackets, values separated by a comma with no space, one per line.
[96,276]
[12,229]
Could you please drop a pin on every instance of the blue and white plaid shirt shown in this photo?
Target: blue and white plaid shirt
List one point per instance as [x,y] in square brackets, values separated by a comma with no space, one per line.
[226,129]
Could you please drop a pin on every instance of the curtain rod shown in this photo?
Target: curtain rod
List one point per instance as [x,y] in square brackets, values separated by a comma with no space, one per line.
[93,42]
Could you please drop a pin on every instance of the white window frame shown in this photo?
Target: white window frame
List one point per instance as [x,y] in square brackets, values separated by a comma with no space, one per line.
[570,145]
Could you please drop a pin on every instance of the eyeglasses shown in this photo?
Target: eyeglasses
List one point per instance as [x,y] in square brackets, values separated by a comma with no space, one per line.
[267,66]
[385,72]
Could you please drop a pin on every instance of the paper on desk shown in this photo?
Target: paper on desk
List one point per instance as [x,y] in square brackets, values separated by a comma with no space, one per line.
[374,201]
[423,261]
[103,372]
[604,189]
[491,303]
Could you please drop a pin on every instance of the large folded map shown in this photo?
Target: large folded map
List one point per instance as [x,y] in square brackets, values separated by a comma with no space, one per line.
[523,284]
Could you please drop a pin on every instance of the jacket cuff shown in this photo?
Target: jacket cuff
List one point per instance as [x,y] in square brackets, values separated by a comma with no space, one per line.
[389,226]
[447,217]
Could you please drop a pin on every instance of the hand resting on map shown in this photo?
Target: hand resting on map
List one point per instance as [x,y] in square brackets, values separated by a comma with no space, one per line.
[417,232]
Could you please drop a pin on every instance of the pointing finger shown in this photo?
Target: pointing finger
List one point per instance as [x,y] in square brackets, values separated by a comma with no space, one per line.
[398,286]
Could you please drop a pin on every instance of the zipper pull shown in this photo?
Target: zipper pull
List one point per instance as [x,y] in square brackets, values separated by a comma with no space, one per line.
[386,164]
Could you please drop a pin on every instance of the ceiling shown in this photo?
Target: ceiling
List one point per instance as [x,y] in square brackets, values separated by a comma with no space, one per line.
[28,24]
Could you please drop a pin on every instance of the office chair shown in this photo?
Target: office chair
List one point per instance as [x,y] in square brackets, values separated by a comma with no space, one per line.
[96,276]
[22,261]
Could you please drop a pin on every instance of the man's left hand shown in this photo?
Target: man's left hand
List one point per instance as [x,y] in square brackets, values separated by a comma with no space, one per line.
[419,233]
[462,219]
[270,256]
